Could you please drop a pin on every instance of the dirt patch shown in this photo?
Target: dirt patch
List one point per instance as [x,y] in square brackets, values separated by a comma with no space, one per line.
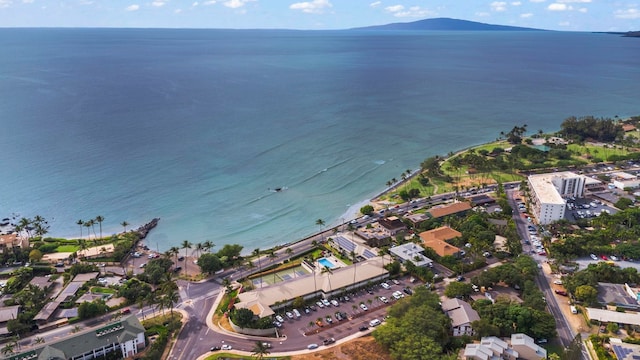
[364,348]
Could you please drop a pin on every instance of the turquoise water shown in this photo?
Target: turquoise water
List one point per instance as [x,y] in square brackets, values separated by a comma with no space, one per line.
[326,263]
[197,126]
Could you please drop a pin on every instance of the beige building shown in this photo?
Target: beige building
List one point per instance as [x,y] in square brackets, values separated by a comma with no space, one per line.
[461,314]
[264,301]
[436,239]
[549,191]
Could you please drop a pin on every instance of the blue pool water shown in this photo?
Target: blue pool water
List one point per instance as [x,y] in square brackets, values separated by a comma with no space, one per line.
[326,263]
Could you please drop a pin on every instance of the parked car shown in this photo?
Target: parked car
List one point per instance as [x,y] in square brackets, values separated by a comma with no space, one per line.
[561,292]
[374,322]
[335,303]
[215,348]
[279,318]
[328,341]
[329,319]
[326,302]
[312,346]
[289,314]
[408,291]
[125,311]
[363,328]
[320,304]
[593,257]
[226,347]
[364,307]
[296,313]
[384,299]
[385,285]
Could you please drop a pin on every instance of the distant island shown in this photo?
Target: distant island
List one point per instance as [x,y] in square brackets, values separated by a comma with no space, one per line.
[446,24]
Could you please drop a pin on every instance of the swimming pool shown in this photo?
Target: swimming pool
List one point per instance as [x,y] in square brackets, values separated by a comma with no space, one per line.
[326,263]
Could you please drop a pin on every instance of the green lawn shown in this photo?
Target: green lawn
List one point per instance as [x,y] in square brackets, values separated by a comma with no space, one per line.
[597,151]
[102,290]
[67,248]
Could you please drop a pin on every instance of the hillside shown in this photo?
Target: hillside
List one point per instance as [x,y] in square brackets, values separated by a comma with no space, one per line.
[446,24]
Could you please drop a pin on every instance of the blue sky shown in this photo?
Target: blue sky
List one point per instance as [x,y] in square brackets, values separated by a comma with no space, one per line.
[573,15]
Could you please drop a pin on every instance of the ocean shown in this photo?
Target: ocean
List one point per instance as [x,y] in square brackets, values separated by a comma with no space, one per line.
[198,127]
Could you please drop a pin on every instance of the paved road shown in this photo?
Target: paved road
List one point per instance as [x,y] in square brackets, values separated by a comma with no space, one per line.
[565,333]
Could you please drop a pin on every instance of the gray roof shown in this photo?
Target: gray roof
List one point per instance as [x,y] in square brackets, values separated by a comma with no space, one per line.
[8,313]
[93,338]
[459,311]
[409,251]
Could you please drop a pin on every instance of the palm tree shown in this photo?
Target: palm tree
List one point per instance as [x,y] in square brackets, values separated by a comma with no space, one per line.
[175,251]
[353,258]
[38,340]
[329,272]
[124,224]
[260,350]
[88,225]
[256,252]
[100,219]
[199,248]
[186,245]
[208,245]
[8,349]
[93,222]
[80,223]
[170,294]
[321,223]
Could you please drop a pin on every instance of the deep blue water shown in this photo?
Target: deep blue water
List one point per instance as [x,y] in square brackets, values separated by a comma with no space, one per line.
[195,126]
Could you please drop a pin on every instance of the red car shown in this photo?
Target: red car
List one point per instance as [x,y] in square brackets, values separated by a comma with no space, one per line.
[604,257]
[561,292]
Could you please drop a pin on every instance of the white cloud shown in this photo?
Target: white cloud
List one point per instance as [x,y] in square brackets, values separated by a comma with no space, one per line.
[132,7]
[537,1]
[312,7]
[583,10]
[394,8]
[482,14]
[195,4]
[558,7]
[627,14]
[177,11]
[414,11]
[516,3]
[498,6]
[5,3]
[526,15]
[27,1]
[234,4]
[158,3]
[574,1]
[375,4]
[209,2]
[564,23]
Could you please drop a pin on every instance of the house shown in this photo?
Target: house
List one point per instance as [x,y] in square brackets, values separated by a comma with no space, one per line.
[527,348]
[481,200]
[519,346]
[411,252]
[458,208]
[628,127]
[125,336]
[7,313]
[619,296]
[392,225]
[11,241]
[417,219]
[461,314]
[436,239]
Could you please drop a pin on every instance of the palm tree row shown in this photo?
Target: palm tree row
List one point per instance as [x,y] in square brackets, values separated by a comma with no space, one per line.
[91,224]
[37,226]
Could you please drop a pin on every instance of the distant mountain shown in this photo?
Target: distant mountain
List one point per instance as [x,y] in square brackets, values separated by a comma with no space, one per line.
[446,24]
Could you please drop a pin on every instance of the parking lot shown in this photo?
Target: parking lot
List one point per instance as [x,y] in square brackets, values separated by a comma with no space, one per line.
[320,323]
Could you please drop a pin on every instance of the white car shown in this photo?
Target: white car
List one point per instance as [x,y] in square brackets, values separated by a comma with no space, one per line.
[374,322]
[613,257]
[364,307]
[335,303]
[557,282]
[279,318]
[397,295]
[385,285]
[226,347]
[289,315]
[326,302]
[296,312]
[320,304]
[593,257]
[384,299]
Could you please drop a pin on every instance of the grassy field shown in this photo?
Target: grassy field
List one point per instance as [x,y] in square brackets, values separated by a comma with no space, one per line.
[67,248]
[597,151]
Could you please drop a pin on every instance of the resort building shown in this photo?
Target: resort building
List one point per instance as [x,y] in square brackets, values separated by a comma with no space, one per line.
[11,241]
[264,301]
[458,208]
[125,336]
[411,252]
[461,314]
[619,295]
[549,191]
[623,180]
[437,240]
[417,219]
